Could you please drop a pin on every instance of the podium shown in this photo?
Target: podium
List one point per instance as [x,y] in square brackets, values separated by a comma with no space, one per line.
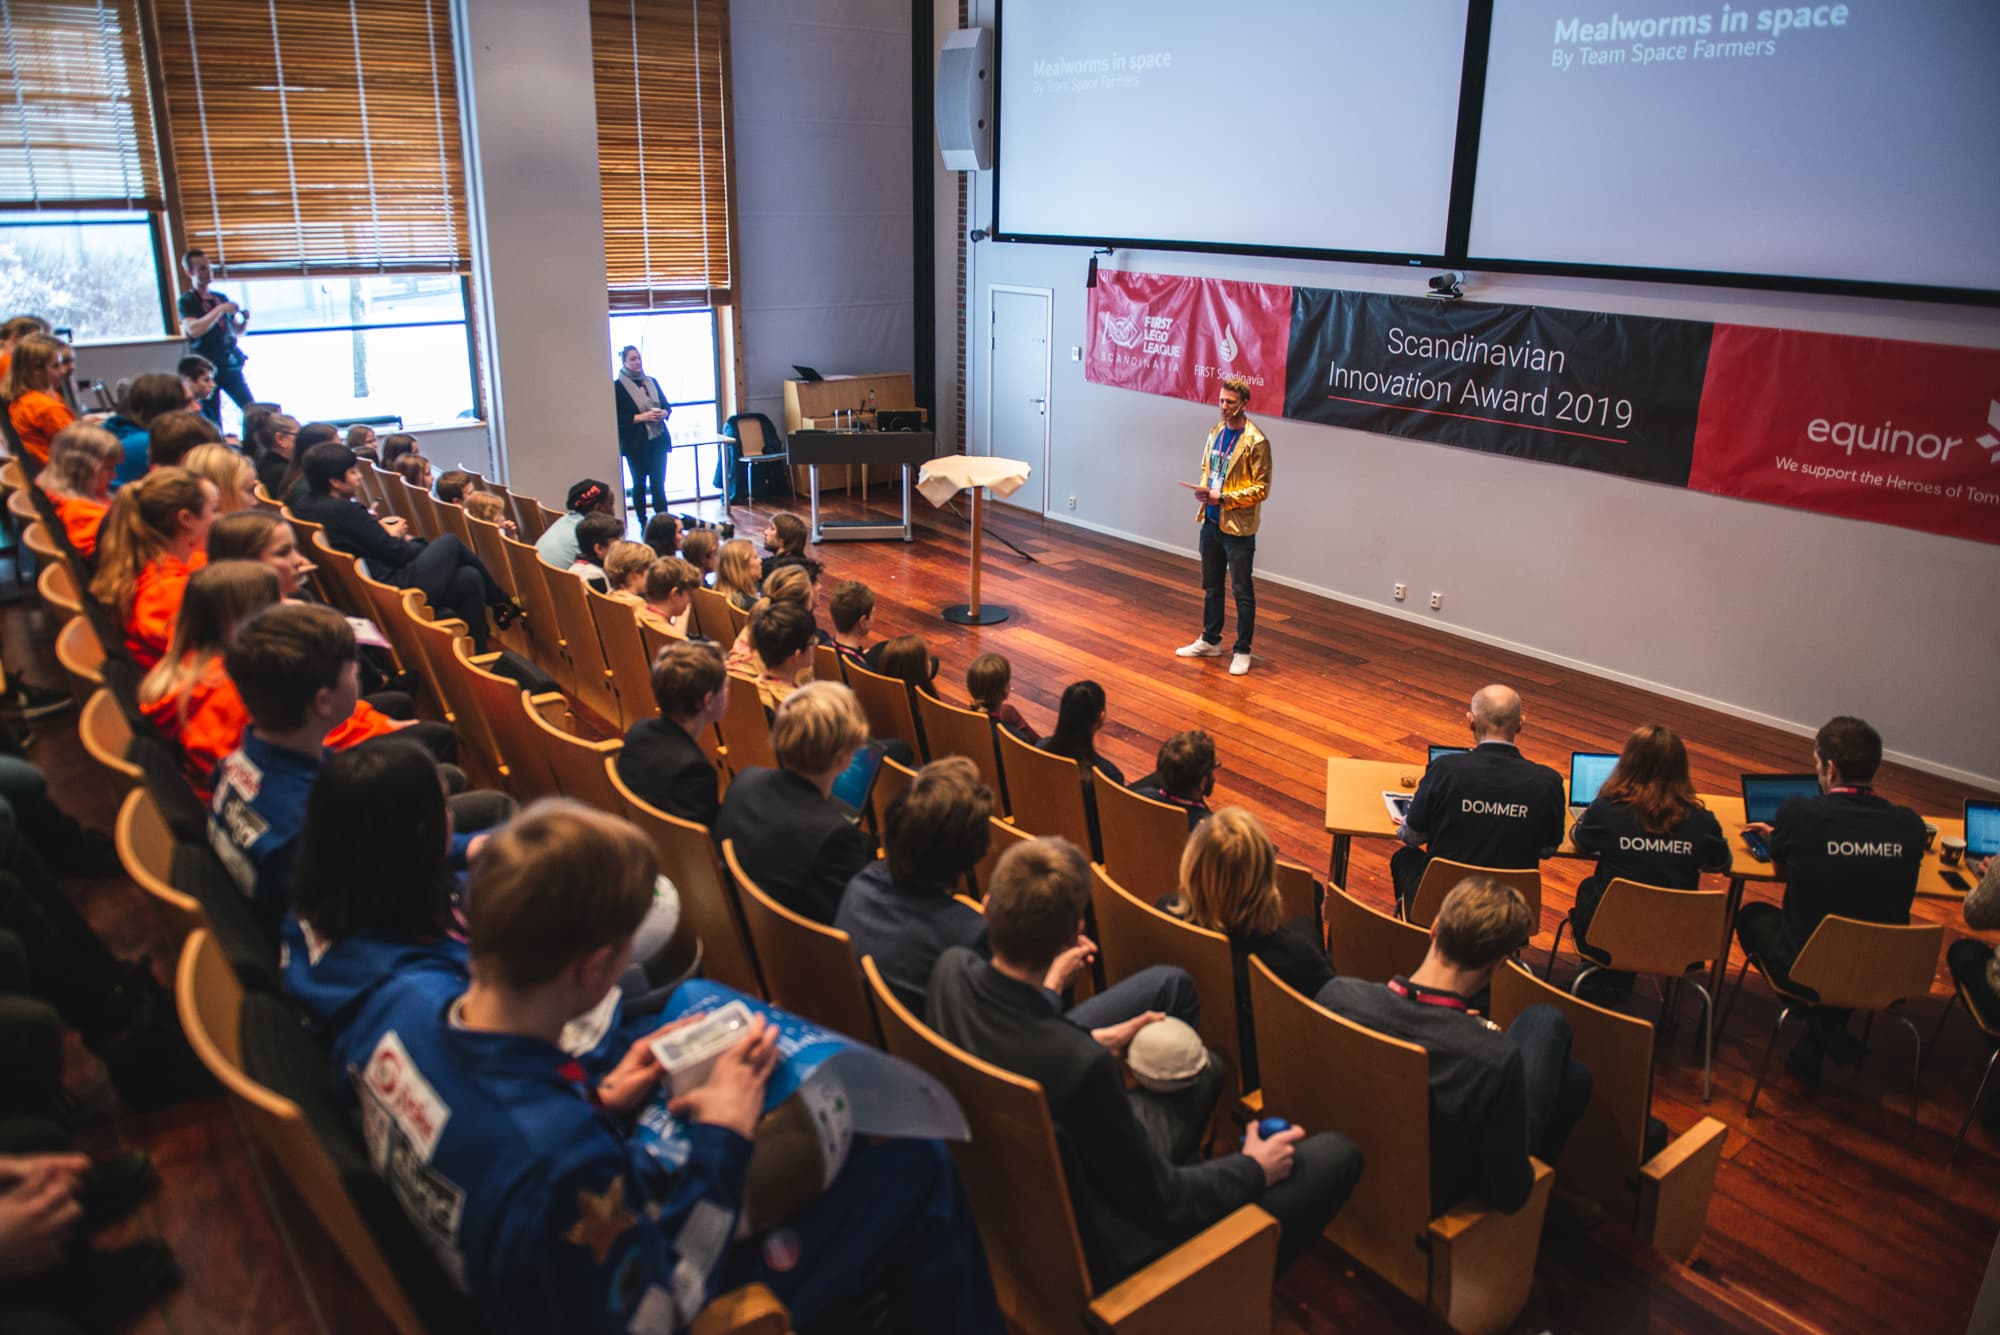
[812,405]
[944,478]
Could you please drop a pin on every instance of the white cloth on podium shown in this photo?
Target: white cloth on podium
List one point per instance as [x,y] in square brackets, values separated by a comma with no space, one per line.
[942,479]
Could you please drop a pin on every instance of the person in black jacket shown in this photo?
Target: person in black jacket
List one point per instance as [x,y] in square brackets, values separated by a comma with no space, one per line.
[1183,775]
[662,761]
[1645,825]
[1848,852]
[451,577]
[1488,807]
[642,430]
[792,838]
[1132,1201]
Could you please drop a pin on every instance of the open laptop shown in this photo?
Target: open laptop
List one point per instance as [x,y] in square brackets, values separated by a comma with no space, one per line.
[1763,794]
[851,789]
[1587,772]
[1982,828]
[806,373]
[1437,751]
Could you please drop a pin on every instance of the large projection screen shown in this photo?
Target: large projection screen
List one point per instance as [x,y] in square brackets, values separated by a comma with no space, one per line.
[1273,124]
[1855,142]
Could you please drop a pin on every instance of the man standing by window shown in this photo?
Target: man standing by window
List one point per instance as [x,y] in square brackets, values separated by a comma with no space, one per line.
[210,322]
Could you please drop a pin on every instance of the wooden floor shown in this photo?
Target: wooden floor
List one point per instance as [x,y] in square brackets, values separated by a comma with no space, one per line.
[1828,1213]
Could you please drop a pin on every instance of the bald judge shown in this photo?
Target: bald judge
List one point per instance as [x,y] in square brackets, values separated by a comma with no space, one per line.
[1490,806]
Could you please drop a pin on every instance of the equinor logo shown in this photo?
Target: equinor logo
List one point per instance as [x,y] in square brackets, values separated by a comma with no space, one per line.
[1884,438]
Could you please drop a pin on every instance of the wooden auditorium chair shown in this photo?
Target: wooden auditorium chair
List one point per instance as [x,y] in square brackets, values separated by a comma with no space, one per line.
[81,656]
[106,735]
[1441,874]
[578,766]
[146,850]
[886,702]
[891,780]
[631,667]
[1368,944]
[439,647]
[1005,835]
[546,635]
[1142,839]
[1046,791]
[810,968]
[593,686]
[1302,896]
[688,859]
[952,731]
[828,665]
[504,706]
[745,727]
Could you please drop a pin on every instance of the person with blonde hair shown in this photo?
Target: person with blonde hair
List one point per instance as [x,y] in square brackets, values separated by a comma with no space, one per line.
[698,549]
[787,584]
[260,536]
[625,567]
[83,459]
[1235,483]
[794,840]
[1229,884]
[738,573]
[154,536]
[489,508]
[234,476]
[35,405]
[669,593]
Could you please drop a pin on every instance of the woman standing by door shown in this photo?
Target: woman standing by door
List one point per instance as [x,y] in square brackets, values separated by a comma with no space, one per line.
[642,431]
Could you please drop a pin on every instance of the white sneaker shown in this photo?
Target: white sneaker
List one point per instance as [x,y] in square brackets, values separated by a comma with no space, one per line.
[1239,665]
[1199,649]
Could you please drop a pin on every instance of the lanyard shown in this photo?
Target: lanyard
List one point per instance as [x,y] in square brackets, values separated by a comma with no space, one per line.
[1425,997]
[1854,789]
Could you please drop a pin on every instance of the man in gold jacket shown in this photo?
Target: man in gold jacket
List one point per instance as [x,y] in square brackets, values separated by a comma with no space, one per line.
[1235,479]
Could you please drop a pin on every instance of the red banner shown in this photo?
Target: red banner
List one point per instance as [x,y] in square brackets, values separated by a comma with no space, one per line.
[1178,336]
[1898,433]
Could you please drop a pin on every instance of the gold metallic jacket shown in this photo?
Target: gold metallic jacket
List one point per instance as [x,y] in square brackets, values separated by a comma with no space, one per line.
[1247,482]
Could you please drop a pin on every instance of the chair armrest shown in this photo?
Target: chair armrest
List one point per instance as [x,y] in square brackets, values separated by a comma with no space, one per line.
[485,660]
[548,701]
[1675,1186]
[1220,1279]
[750,1310]
[1483,1262]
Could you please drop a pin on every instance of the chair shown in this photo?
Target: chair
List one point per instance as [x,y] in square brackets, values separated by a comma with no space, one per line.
[750,1310]
[890,781]
[439,644]
[395,495]
[886,702]
[545,631]
[951,731]
[1854,965]
[211,1005]
[146,850]
[1005,835]
[757,441]
[339,575]
[528,515]
[1470,1265]
[829,666]
[1142,838]
[484,539]
[423,510]
[1302,896]
[810,968]
[106,735]
[505,707]
[231,924]
[688,858]
[1132,935]
[655,635]
[578,766]
[593,687]
[1653,930]
[710,613]
[58,587]
[1442,874]
[1046,791]
[1990,1029]
[1219,1280]
[35,537]
[385,609]
[625,656]
[1367,944]
[1664,1200]
[81,656]
[746,728]
[452,519]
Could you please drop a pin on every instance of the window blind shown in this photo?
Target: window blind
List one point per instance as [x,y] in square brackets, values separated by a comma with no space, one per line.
[662,149]
[76,123]
[315,136]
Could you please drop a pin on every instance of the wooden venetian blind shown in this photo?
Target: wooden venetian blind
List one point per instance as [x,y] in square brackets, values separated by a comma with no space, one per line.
[662,148]
[315,136]
[76,123]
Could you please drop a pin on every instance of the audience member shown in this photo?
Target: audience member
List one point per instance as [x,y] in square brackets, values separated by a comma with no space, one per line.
[450,576]
[1497,1096]
[1183,774]
[739,575]
[558,543]
[852,611]
[785,539]
[669,593]
[1079,718]
[276,441]
[82,461]
[1487,807]
[909,660]
[210,322]
[794,840]
[153,537]
[782,635]
[594,536]
[663,761]
[15,329]
[663,534]
[452,485]
[395,446]
[989,680]
[554,902]
[1134,1197]
[254,418]
[1229,884]
[1849,852]
[232,475]
[488,508]
[292,487]
[1645,825]
[258,535]
[361,439]
[625,567]
[1974,965]
[794,585]
[35,404]
[145,399]
[172,436]
[416,470]
[197,376]
[698,549]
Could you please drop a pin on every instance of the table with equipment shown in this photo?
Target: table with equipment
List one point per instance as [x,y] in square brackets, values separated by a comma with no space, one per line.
[817,449]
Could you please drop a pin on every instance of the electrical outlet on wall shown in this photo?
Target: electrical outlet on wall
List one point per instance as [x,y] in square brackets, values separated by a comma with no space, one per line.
[1437,601]
[1075,353]
[1072,502]
[1402,592]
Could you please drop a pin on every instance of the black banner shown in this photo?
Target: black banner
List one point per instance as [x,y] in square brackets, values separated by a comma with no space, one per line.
[1617,393]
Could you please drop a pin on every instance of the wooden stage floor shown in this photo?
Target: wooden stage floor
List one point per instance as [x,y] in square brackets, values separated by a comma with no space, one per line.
[1828,1215]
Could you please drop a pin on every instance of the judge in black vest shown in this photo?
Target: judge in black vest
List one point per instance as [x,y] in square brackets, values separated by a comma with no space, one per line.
[642,431]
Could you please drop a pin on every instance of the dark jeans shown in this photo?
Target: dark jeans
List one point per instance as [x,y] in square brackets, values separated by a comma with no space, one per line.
[232,383]
[1220,551]
[1406,872]
[649,472]
[1558,1088]
[456,583]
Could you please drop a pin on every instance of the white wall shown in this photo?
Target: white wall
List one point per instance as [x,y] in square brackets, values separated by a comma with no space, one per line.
[1770,613]
[822,100]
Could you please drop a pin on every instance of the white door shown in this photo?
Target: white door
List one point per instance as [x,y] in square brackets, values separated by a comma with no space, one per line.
[1017,420]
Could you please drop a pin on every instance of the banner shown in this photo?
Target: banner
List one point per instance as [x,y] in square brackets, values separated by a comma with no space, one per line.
[1615,393]
[1179,336]
[1869,428]
[1898,433]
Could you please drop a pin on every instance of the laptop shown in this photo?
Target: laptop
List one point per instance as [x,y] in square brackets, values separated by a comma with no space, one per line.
[1437,751]
[1763,794]
[807,374]
[1587,772]
[1982,828]
[851,789]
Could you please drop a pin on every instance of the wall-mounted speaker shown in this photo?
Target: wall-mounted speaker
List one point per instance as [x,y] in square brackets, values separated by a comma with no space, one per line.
[965,100]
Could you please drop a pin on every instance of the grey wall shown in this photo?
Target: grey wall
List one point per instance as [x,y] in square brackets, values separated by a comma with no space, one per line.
[1773,614]
[822,100]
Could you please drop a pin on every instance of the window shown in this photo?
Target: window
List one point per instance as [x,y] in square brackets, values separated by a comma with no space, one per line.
[94,274]
[679,351]
[335,348]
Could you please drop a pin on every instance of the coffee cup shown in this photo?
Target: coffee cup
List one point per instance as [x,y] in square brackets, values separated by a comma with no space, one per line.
[1930,836]
[1952,851]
